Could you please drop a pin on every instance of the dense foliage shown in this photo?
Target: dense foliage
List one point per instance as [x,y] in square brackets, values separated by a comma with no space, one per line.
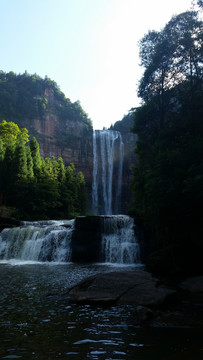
[23,97]
[125,125]
[37,188]
[168,179]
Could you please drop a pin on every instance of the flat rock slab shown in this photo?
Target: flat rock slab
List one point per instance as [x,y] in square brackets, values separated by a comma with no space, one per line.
[134,287]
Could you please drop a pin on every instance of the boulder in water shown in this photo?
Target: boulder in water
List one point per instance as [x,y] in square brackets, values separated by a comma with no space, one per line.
[134,287]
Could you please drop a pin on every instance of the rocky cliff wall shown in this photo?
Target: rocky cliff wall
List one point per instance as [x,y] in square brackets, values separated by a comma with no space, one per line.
[59,137]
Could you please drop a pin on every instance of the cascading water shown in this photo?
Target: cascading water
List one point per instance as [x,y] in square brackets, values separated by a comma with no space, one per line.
[119,244]
[37,241]
[53,241]
[107,171]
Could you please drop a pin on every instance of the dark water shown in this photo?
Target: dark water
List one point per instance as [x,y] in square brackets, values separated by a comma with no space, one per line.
[36,326]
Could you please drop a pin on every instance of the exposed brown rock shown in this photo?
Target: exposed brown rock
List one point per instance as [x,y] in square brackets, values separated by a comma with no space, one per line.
[69,139]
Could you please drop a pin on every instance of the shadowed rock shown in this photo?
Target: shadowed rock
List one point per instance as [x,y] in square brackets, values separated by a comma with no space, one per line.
[137,287]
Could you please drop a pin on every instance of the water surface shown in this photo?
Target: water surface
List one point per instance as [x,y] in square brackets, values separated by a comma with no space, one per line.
[36,323]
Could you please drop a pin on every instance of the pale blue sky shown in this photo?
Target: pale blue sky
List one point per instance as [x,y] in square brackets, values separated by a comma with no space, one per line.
[89,47]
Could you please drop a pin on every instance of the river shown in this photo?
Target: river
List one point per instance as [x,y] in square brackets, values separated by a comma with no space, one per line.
[36,322]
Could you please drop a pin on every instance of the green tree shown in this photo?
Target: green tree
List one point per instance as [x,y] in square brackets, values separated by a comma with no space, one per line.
[30,172]
[9,131]
[1,169]
[61,170]
[81,193]
[1,151]
[20,161]
[36,157]
[168,182]
[71,193]
[8,173]
[37,187]
[170,57]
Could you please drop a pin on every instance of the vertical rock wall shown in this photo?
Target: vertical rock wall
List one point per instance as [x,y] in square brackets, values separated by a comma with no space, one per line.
[71,140]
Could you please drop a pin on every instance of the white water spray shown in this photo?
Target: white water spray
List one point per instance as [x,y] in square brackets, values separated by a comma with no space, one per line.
[37,241]
[51,241]
[119,243]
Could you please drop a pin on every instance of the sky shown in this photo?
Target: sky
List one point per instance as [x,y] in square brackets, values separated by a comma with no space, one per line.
[88,47]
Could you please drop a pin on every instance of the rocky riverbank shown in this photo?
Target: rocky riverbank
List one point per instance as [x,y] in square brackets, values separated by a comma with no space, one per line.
[154,303]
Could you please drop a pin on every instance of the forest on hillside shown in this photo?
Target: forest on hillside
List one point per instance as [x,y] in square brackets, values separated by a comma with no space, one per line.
[168,178]
[23,96]
[35,187]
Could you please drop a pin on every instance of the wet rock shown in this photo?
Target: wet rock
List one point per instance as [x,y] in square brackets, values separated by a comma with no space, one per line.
[86,239]
[136,287]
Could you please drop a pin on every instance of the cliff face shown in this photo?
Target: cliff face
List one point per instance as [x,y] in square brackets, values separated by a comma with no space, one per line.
[59,137]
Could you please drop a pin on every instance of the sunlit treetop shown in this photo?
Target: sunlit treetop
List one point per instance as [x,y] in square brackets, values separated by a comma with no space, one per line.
[10,132]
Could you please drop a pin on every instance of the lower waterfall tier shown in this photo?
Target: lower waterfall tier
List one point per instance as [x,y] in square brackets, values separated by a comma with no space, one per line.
[109,239]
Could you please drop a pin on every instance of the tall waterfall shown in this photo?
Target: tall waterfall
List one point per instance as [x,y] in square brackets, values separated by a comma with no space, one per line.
[108,149]
[37,241]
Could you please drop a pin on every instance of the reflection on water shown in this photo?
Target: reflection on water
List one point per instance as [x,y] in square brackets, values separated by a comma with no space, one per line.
[36,326]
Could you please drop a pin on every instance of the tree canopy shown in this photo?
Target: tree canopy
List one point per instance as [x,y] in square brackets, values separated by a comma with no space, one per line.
[168,178]
[37,188]
[10,132]
[171,55]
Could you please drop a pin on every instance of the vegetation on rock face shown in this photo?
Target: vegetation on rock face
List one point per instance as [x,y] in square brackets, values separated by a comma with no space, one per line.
[168,179]
[27,96]
[38,188]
